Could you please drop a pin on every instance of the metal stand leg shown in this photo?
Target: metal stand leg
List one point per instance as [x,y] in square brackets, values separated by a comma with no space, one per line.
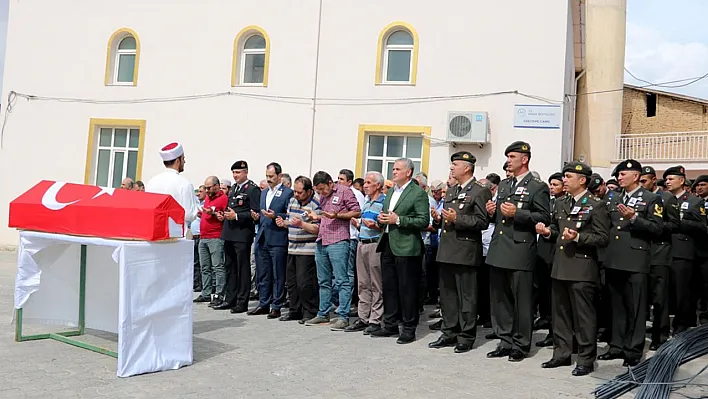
[64,335]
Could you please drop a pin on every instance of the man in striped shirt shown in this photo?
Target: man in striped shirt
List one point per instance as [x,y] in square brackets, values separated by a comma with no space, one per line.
[301,270]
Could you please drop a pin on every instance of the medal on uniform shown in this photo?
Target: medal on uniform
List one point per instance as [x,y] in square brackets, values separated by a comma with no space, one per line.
[240,202]
[520,205]
[577,225]
[462,206]
[585,200]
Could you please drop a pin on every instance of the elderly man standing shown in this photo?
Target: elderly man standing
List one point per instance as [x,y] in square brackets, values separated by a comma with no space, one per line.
[211,246]
[405,215]
[301,271]
[170,182]
[368,262]
[460,255]
[339,206]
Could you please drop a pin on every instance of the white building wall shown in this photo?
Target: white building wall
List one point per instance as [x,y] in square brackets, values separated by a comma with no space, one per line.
[187,47]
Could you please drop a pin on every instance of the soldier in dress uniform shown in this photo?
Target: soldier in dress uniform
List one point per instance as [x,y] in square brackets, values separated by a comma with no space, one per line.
[542,274]
[580,226]
[660,265]
[238,233]
[604,314]
[700,188]
[464,216]
[690,229]
[522,202]
[637,220]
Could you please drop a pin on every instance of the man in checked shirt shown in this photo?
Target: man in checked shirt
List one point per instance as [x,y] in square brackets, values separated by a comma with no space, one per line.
[339,206]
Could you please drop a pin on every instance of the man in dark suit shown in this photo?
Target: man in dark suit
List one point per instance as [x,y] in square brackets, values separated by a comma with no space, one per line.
[522,202]
[661,259]
[542,273]
[637,217]
[405,214]
[579,227]
[237,233]
[691,228]
[460,254]
[272,244]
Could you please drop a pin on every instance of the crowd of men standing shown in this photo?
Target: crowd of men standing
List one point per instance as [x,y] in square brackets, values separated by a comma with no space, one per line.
[594,257]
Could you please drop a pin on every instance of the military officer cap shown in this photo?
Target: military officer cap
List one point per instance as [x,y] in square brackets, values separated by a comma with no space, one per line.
[437,185]
[239,165]
[556,176]
[518,146]
[577,167]
[595,182]
[677,170]
[687,183]
[701,179]
[463,156]
[629,164]
[648,170]
[612,181]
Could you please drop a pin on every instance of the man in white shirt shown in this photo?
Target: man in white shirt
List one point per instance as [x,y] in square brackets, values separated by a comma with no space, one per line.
[170,182]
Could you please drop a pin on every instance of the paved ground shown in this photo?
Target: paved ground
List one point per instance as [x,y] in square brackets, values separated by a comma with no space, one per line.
[241,356]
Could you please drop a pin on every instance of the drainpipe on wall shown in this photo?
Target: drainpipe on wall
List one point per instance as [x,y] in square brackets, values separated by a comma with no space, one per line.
[314,94]
[575,110]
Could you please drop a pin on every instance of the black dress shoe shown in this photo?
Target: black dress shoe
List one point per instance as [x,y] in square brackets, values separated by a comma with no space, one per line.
[442,342]
[301,321]
[541,324]
[358,325]
[238,309]
[492,336]
[609,355]
[553,363]
[545,343]
[580,371]
[436,326]
[384,332]
[274,314]
[631,362]
[463,348]
[435,314]
[291,316]
[258,311]
[655,345]
[499,352]
[487,324]
[201,299]
[222,306]
[405,338]
[516,355]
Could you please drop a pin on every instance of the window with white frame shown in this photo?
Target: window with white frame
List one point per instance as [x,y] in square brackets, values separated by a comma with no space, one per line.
[383,150]
[253,60]
[116,155]
[398,57]
[124,67]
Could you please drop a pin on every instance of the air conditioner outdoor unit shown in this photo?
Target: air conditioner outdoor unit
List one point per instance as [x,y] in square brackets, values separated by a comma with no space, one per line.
[468,127]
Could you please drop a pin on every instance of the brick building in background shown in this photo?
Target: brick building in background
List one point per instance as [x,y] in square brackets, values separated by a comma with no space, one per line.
[662,129]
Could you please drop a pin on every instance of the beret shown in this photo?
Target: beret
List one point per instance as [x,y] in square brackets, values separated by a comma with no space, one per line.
[629,164]
[577,167]
[555,176]
[595,182]
[518,146]
[677,170]
[648,170]
[239,165]
[463,156]
[612,181]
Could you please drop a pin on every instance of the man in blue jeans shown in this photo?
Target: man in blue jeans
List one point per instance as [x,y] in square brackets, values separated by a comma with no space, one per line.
[339,206]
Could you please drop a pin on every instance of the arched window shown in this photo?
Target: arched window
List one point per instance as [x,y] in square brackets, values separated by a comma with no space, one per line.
[123,58]
[251,54]
[397,58]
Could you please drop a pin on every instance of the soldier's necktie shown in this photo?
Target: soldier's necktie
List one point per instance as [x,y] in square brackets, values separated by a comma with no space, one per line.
[626,198]
[513,182]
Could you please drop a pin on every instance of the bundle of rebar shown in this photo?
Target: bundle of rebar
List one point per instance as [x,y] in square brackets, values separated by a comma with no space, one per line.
[655,375]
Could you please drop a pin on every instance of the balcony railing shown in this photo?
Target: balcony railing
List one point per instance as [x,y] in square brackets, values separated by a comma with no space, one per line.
[658,147]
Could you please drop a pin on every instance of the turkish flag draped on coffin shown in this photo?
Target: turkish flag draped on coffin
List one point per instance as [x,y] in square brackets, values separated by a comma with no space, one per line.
[77,209]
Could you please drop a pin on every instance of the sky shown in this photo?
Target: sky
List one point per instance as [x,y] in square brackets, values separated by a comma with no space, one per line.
[666,41]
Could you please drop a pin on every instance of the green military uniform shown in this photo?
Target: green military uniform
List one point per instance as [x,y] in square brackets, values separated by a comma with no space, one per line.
[459,257]
[690,229]
[660,264]
[512,255]
[628,266]
[576,274]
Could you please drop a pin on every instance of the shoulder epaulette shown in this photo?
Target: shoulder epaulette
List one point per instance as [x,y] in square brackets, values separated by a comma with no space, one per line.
[538,180]
[479,184]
